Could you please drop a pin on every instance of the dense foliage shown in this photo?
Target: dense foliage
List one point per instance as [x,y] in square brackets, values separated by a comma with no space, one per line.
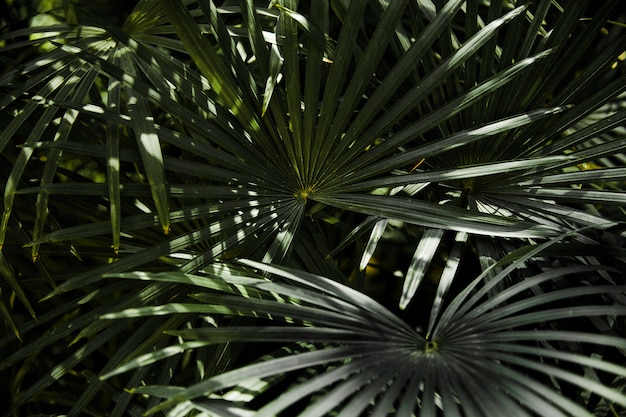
[363,207]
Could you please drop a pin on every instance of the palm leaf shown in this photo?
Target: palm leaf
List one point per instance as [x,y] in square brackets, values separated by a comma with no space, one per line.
[283,135]
[382,353]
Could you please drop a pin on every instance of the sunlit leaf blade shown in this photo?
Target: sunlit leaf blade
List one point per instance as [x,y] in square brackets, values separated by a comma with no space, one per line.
[209,63]
[149,145]
[284,132]
[458,173]
[271,58]
[270,333]
[419,92]
[113,159]
[153,357]
[333,88]
[229,46]
[569,194]
[580,136]
[263,228]
[371,384]
[61,90]
[377,232]
[312,28]
[288,31]
[340,291]
[236,305]
[318,383]
[447,276]
[440,217]
[466,300]
[263,216]
[84,82]
[260,370]
[578,177]
[132,223]
[546,211]
[221,408]
[422,258]
[366,67]
[446,144]
[440,367]
[282,245]
[312,87]
[404,67]
[269,65]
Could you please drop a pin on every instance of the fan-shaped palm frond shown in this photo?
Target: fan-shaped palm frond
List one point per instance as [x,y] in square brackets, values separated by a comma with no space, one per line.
[202,131]
[515,352]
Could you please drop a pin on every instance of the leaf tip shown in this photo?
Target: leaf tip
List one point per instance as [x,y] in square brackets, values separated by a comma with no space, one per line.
[50,295]
[18,335]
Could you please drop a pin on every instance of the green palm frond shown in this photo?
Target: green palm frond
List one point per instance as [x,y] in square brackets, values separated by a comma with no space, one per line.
[331,161]
[321,136]
[478,348]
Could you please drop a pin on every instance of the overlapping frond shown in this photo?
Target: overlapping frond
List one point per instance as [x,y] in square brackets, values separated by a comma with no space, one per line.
[478,347]
[317,135]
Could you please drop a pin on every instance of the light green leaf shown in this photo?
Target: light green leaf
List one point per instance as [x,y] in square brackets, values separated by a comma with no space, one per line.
[418,93]
[461,172]
[365,69]
[209,64]
[150,147]
[580,177]
[113,159]
[401,70]
[422,258]
[336,78]
[259,370]
[377,232]
[435,216]
[152,357]
[568,194]
[445,144]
